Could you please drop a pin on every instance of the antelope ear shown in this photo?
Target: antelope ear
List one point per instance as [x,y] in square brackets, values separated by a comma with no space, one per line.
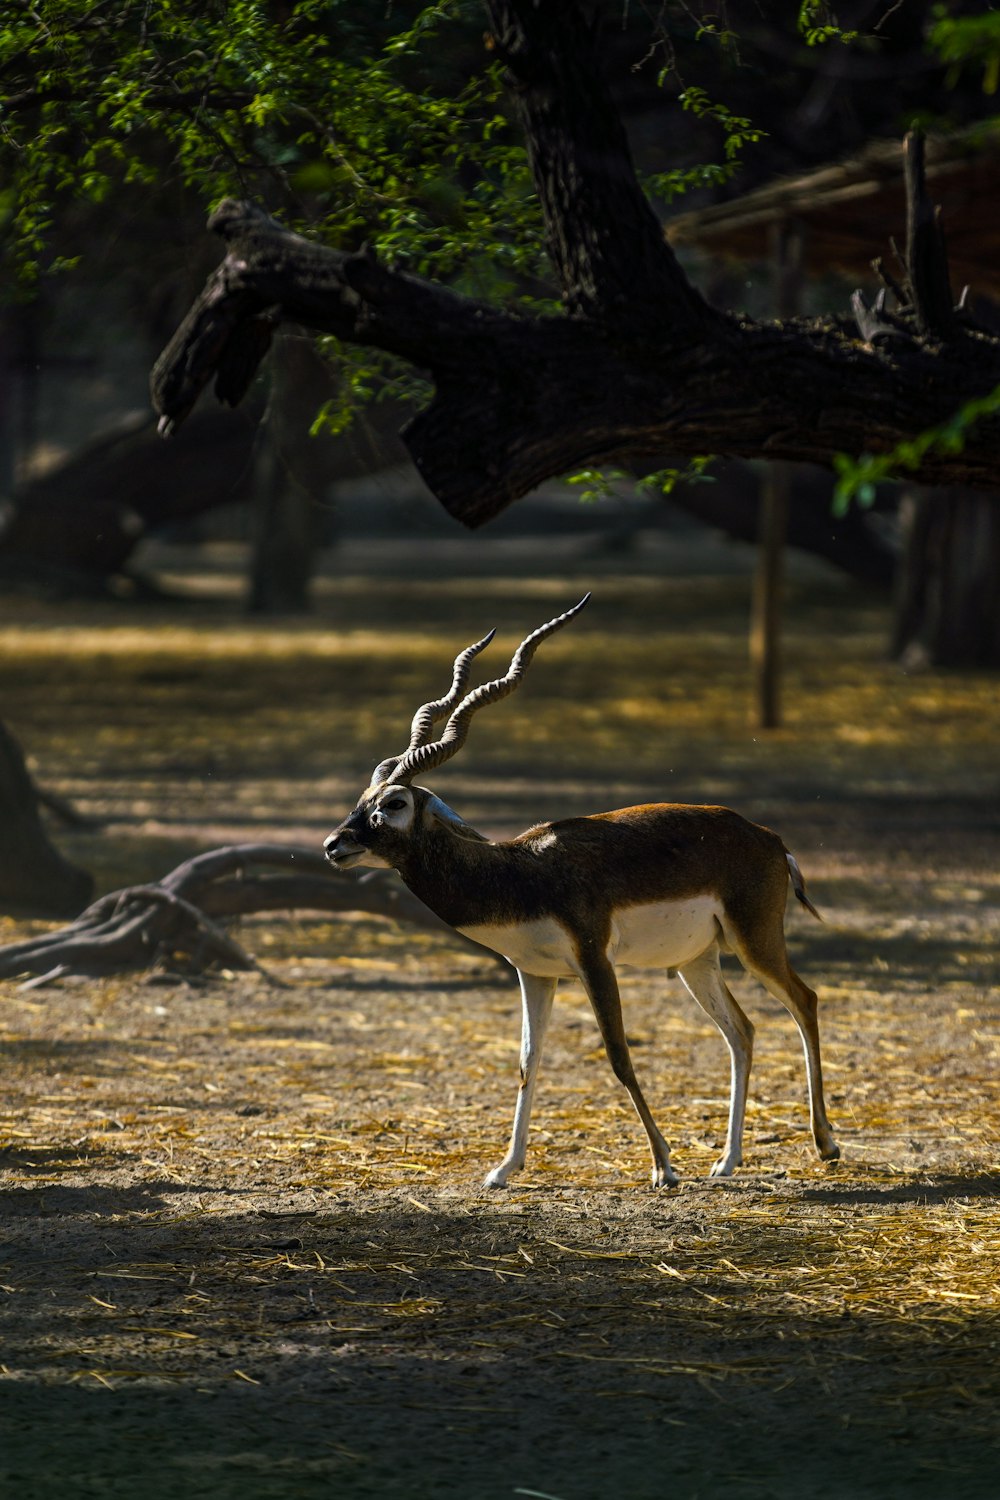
[442,813]
[383,771]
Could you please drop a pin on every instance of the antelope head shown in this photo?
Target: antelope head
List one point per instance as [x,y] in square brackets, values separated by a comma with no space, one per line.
[391,812]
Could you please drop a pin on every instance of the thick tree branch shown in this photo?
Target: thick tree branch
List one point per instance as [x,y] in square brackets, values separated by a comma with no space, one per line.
[520,400]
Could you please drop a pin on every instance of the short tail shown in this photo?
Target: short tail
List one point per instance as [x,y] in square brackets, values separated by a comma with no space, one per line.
[799,885]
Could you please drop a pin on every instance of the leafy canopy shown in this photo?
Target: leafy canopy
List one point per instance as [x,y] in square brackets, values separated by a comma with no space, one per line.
[354,127]
[379,123]
[384,123]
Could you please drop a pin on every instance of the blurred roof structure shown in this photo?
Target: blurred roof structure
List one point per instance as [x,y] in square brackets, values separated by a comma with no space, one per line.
[849,211]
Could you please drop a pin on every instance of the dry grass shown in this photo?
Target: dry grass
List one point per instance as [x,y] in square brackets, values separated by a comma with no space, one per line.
[245,1237]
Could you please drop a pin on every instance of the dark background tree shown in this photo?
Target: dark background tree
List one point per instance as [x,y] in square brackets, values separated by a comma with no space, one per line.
[640,361]
[35,879]
[392,129]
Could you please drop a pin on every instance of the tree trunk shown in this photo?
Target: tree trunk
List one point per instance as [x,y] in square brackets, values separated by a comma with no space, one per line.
[35,880]
[948,587]
[75,527]
[292,470]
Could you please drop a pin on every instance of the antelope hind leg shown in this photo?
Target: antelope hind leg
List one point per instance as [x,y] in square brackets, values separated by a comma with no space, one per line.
[703,980]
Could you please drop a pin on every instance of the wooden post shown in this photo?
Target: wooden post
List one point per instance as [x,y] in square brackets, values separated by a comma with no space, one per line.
[765,616]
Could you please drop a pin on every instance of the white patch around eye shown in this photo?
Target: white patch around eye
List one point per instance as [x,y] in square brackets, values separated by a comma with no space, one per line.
[394,808]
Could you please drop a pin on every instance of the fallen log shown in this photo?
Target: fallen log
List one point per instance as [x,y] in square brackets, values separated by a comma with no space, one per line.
[177,920]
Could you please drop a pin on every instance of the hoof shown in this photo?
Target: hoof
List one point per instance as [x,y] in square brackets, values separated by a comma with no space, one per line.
[495,1179]
[830,1153]
[725,1168]
[664,1177]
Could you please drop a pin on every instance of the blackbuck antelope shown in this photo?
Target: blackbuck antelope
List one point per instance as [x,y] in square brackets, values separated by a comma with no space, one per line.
[660,884]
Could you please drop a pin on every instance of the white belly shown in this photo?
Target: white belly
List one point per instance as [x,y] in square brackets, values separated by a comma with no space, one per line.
[666,934]
[542,946]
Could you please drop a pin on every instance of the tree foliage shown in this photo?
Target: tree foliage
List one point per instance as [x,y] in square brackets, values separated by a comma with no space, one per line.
[380,124]
[360,128]
[857,478]
[967,42]
[392,127]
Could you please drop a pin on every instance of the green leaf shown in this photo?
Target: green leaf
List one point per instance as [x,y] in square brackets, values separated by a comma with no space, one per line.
[856,479]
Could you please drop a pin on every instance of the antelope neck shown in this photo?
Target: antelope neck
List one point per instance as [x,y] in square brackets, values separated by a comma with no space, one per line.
[465,881]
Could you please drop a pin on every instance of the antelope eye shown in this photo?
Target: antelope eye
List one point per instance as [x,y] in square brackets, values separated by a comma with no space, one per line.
[396,805]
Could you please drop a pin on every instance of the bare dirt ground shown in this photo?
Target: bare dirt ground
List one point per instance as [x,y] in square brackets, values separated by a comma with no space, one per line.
[245,1248]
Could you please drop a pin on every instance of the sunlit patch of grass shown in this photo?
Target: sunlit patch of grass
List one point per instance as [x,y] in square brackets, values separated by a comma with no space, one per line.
[650,687]
[371,1086]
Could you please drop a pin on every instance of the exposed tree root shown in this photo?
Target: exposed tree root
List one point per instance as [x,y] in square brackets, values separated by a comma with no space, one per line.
[176,919]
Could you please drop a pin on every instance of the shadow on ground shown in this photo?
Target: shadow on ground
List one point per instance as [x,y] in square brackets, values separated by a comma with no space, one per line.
[576,1345]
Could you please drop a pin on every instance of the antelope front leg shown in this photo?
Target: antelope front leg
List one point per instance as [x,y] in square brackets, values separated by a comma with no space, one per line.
[536,1008]
[599,979]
